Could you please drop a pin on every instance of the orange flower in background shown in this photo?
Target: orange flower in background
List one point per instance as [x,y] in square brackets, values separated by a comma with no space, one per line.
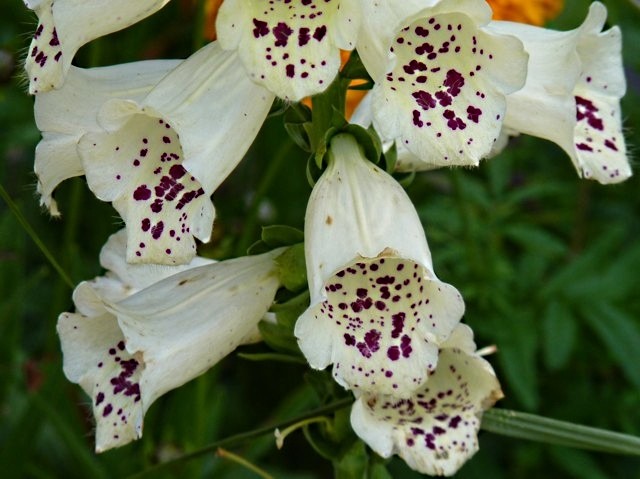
[534,12]
[211,8]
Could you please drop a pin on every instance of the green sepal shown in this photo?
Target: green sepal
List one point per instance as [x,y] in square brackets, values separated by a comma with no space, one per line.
[368,139]
[292,270]
[297,122]
[390,159]
[278,338]
[279,335]
[405,179]
[353,464]
[281,235]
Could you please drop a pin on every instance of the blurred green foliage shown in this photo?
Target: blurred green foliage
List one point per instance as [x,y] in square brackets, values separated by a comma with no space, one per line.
[548,266]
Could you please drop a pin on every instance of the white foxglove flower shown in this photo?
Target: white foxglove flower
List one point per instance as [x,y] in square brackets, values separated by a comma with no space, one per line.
[292,48]
[572,94]
[64,115]
[440,92]
[127,350]
[378,313]
[160,158]
[435,430]
[65,25]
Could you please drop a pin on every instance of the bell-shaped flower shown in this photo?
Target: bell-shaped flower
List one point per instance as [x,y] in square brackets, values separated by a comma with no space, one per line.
[64,115]
[292,48]
[126,346]
[66,25]
[378,312]
[572,94]
[440,90]
[160,158]
[435,430]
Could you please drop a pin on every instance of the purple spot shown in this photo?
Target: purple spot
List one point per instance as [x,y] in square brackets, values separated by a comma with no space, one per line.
[304,36]
[156,231]
[261,28]
[107,410]
[349,340]
[99,398]
[393,353]
[320,32]
[291,70]
[142,193]
[282,32]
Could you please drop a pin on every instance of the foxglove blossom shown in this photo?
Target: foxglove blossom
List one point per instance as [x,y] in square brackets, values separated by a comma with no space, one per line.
[64,115]
[440,91]
[292,48]
[65,25]
[146,329]
[572,94]
[435,430]
[378,312]
[160,158]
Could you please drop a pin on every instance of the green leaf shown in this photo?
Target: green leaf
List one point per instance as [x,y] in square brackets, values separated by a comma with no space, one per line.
[577,464]
[559,335]
[552,431]
[278,337]
[620,334]
[517,345]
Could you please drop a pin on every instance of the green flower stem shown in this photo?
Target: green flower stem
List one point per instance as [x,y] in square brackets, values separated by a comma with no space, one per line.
[243,437]
[223,453]
[34,236]
[551,431]
[282,435]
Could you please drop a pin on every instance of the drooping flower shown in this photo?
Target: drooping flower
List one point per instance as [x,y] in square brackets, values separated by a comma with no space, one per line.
[64,115]
[378,312]
[146,329]
[160,158]
[441,77]
[434,430]
[292,48]
[66,25]
[572,94]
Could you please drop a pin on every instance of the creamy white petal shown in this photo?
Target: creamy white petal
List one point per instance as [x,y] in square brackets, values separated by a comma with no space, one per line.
[443,96]
[435,430]
[126,353]
[572,94]
[160,158]
[292,48]
[65,25]
[378,312]
[64,115]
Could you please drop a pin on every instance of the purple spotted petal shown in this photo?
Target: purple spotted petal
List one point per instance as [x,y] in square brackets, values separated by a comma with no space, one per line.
[126,350]
[95,357]
[380,325]
[444,98]
[572,93]
[139,168]
[435,430]
[65,25]
[292,48]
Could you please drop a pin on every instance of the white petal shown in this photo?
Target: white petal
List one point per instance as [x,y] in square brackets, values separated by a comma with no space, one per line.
[125,354]
[168,152]
[65,115]
[378,312]
[183,325]
[290,48]
[572,94]
[65,25]
[443,98]
[435,430]
[380,325]
[123,278]
[381,21]
[95,357]
[357,210]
